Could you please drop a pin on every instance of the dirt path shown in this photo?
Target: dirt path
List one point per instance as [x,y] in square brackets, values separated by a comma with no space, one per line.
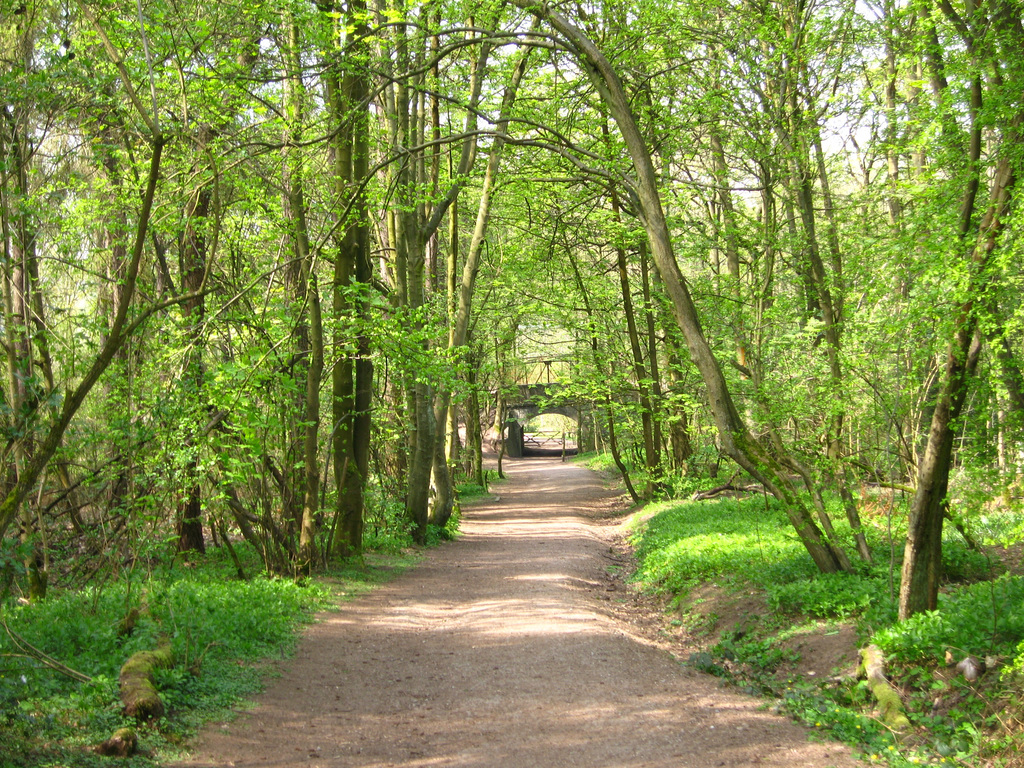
[500,651]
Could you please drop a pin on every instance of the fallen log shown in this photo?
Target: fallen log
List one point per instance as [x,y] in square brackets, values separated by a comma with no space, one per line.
[890,706]
[138,688]
[724,488]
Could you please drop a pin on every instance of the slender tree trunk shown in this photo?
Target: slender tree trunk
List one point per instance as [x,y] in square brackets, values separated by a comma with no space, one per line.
[193,310]
[922,557]
[639,370]
[609,410]
[474,432]
[726,223]
[308,296]
[413,230]
[19,294]
[112,241]
[652,353]
[292,486]
[459,332]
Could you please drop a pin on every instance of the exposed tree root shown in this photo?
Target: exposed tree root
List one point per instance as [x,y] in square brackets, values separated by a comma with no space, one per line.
[124,743]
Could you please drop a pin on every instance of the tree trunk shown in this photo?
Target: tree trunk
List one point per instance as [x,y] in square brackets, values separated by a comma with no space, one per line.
[737,441]
[474,432]
[639,373]
[609,411]
[193,311]
[19,257]
[459,332]
[725,221]
[353,371]
[293,473]
[308,295]
[652,354]
[922,558]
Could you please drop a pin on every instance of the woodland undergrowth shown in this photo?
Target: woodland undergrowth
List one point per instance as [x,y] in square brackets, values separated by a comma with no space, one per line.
[958,669]
[226,635]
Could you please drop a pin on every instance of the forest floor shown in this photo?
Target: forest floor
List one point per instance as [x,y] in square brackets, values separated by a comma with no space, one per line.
[518,644]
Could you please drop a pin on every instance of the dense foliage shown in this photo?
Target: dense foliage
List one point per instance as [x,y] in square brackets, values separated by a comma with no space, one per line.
[274,273]
[742,546]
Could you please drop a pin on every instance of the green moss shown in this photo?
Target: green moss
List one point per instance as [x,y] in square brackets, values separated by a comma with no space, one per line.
[137,684]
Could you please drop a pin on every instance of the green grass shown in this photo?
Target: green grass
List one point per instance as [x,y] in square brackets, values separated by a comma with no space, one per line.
[747,544]
[683,544]
[599,462]
[224,633]
[469,492]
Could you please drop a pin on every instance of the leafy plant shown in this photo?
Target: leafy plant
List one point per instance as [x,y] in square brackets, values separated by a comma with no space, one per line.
[386,526]
[221,630]
[986,618]
[826,596]
[762,654]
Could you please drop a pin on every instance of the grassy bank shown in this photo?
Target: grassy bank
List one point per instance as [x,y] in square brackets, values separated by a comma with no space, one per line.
[745,547]
[225,634]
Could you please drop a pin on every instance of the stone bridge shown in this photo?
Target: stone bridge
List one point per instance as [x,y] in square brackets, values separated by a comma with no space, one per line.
[534,400]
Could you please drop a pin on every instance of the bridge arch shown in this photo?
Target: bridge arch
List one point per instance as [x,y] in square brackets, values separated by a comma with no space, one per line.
[533,401]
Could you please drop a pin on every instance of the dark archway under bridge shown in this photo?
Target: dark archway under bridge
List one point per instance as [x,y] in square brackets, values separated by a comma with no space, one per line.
[531,401]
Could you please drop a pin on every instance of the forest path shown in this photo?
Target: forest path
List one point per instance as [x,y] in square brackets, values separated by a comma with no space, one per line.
[500,651]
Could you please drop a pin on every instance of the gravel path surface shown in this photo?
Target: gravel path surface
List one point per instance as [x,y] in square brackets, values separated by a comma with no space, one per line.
[501,650]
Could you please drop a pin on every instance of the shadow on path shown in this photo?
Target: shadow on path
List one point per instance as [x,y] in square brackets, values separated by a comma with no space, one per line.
[496,652]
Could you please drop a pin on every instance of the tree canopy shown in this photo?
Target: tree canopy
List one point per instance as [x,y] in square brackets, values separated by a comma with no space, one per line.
[274,271]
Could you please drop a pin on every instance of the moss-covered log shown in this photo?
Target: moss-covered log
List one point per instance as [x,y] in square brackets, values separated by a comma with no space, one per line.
[138,690]
[890,706]
[124,743]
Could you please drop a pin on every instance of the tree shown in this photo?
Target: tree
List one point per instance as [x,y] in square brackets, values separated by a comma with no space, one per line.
[736,439]
[352,377]
[993,43]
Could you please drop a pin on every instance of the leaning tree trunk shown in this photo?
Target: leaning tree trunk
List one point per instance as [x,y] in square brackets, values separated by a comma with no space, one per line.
[120,331]
[737,442]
